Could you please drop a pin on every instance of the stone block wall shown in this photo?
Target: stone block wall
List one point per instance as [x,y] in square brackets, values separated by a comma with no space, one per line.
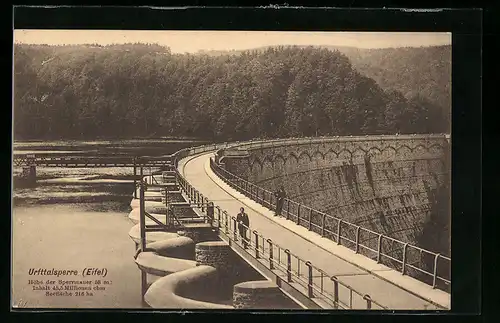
[385,184]
[261,294]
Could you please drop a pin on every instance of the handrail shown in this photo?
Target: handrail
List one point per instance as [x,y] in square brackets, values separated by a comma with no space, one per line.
[294,210]
[314,289]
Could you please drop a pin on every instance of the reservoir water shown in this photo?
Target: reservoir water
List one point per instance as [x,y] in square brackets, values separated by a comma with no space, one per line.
[76,218]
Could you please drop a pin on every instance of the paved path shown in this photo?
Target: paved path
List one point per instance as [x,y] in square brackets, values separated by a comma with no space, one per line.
[197,172]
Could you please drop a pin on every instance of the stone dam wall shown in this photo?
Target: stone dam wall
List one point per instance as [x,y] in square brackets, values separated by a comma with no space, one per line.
[394,185]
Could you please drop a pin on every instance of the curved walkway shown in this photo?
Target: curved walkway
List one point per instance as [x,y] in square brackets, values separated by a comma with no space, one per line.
[198,173]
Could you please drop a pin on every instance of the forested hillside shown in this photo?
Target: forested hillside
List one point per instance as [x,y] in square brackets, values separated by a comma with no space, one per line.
[138,90]
[413,71]
[424,71]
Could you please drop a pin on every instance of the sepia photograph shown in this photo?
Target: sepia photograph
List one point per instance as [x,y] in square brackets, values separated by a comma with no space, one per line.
[257,170]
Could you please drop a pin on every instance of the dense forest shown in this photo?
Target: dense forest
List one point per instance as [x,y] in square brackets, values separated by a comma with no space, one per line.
[425,71]
[142,90]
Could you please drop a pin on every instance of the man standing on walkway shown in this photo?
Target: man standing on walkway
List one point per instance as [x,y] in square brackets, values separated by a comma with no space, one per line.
[210,211]
[280,200]
[243,224]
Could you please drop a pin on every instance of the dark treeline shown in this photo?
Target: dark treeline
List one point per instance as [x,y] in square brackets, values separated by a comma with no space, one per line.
[142,90]
[422,70]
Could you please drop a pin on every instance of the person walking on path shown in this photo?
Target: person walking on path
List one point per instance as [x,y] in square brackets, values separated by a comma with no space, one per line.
[210,212]
[243,224]
[280,200]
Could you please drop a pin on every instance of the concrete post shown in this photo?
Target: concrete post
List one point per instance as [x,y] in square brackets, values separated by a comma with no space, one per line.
[368,300]
[271,261]
[135,178]
[309,280]
[323,224]
[339,225]
[256,235]
[335,292]
[288,265]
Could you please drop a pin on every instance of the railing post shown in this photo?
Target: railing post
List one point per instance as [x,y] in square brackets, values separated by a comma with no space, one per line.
[310,279]
[218,216]
[403,267]
[335,292]
[323,225]
[288,209]
[235,231]
[339,225]
[288,266]
[298,214]
[368,300]
[379,247]
[226,224]
[142,216]
[256,236]
[434,276]
[357,238]
[310,219]
[135,179]
[271,263]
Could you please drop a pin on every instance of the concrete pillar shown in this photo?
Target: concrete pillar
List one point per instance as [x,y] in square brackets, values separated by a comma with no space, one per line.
[200,233]
[261,294]
[217,254]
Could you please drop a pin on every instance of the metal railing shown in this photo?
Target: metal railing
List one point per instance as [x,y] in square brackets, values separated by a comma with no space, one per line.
[372,244]
[314,281]
[309,279]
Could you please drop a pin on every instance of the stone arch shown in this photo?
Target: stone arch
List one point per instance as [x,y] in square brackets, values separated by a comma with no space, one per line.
[420,146]
[359,152]
[292,155]
[256,163]
[401,149]
[373,151]
[279,157]
[436,148]
[345,153]
[420,151]
[268,158]
[332,153]
[318,153]
[305,153]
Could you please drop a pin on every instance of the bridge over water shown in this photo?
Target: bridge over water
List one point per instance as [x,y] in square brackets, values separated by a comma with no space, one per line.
[317,259]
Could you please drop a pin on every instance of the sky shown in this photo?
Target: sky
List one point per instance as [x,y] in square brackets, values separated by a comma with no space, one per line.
[193,41]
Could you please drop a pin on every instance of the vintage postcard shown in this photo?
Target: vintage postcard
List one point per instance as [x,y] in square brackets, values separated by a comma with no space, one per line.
[231,170]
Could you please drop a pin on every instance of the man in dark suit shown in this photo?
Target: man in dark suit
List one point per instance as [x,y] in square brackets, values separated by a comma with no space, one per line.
[243,224]
[280,200]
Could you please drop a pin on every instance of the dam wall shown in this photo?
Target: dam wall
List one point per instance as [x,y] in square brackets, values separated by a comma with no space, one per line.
[394,185]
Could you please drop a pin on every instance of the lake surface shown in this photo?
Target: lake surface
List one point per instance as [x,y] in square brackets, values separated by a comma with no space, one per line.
[75,218]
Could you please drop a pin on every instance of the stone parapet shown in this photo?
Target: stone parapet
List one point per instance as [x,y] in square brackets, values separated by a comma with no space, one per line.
[180,247]
[188,289]
[261,294]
